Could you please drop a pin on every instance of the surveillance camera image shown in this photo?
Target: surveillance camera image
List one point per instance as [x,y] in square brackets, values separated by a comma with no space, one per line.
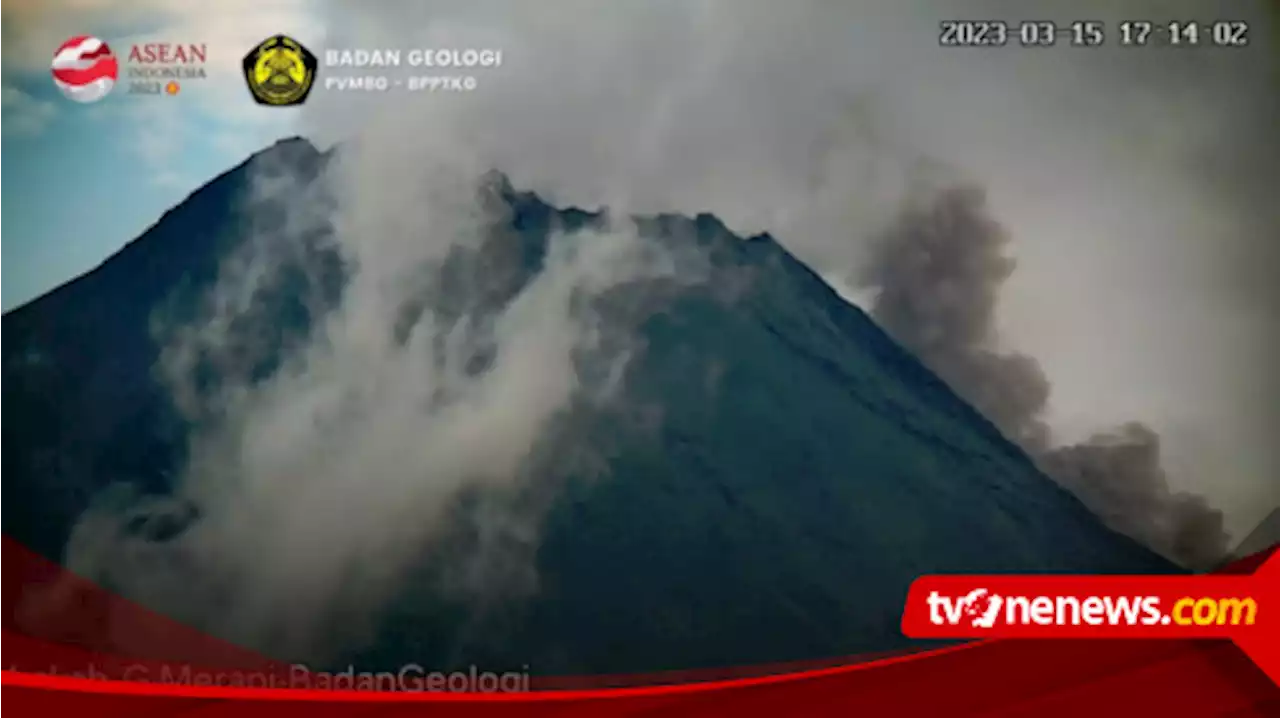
[573,339]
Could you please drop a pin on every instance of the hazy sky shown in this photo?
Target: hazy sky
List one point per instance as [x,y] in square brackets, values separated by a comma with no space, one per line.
[84,179]
[1138,184]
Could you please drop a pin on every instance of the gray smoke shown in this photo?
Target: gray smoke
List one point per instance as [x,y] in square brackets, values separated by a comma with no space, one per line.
[937,273]
[1119,475]
[1138,183]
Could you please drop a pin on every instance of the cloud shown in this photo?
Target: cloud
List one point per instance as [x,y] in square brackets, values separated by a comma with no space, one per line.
[24,115]
[171,181]
[34,29]
[165,136]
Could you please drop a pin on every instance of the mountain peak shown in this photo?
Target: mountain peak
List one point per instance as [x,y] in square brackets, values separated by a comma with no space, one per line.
[290,143]
[801,468]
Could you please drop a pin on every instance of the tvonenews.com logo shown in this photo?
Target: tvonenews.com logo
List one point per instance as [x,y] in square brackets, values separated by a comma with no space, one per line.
[1234,606]
[1085,606]
[981,608]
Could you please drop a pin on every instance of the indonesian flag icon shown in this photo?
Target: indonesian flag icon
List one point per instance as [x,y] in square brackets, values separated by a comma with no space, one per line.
[85,69]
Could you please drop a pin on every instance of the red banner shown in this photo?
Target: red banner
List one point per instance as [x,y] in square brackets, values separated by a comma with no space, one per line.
[82,650]
[1245,609]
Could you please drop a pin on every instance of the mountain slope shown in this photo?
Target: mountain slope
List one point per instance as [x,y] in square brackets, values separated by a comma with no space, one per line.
[796,471]
[1264,536]
[78,379]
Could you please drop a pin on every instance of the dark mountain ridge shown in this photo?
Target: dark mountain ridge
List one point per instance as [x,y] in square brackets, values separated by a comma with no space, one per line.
[804,468]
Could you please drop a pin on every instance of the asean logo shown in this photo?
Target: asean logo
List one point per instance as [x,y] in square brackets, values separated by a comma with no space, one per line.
[85,69]
[280,72]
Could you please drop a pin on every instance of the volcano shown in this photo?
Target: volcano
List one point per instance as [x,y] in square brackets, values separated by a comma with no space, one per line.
[797,471]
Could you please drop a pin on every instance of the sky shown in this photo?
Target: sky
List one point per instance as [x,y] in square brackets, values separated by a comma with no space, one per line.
[127,158]
[1138,194]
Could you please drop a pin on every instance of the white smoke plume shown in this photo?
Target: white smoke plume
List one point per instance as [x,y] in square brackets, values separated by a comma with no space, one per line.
[312,484]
